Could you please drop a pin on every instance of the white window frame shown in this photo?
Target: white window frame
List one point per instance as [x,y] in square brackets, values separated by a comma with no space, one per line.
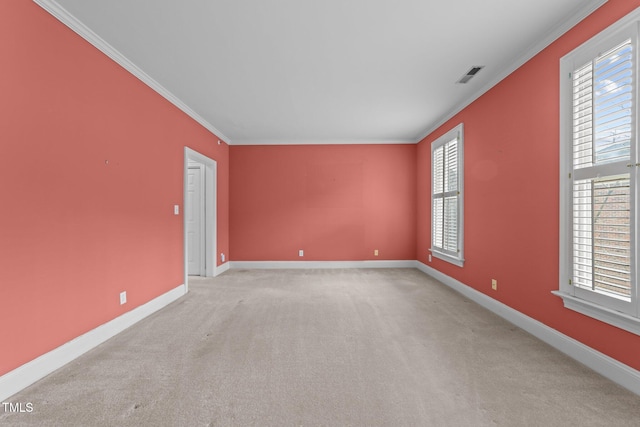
[458,257]
[622,314]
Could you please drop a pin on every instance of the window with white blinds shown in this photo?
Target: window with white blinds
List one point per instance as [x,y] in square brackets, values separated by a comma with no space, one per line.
[599,178]
[602,130]
[446,196]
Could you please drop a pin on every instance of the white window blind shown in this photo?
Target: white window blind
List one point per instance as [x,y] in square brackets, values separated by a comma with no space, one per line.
[602,108]
[446,236]
[602,131]
[602,235]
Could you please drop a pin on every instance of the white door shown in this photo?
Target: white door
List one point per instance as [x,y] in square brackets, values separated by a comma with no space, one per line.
[194,212]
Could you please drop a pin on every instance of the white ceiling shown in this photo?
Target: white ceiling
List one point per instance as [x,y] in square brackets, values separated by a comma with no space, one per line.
[324,71]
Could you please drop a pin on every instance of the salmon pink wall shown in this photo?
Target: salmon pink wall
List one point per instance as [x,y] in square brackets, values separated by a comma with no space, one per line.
[336,202]
[512,196]
[91,164]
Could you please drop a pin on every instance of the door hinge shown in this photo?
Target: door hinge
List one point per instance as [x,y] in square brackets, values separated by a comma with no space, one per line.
[569,175]
[570,282]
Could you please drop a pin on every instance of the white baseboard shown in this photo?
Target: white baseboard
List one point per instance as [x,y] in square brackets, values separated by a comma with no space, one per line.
[222,268]
[257,265]
[20,378]
[27,374]
[606,366]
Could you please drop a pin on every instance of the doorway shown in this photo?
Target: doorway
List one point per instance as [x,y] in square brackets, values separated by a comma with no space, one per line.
[200,223]
[194,211]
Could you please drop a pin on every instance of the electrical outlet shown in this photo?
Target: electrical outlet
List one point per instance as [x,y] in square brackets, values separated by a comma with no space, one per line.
[300,252]
[222,258]
[429,257]
[494,284]
[123,297]
[375,252]
[176,209]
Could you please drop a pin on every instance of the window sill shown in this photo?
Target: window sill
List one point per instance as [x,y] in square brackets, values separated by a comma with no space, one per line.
[603,314]
[445,257]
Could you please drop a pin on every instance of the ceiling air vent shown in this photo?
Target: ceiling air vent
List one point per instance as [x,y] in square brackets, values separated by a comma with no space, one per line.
[469,75]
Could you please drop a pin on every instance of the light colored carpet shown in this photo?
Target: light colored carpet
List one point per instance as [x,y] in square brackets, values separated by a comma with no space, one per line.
[389,347]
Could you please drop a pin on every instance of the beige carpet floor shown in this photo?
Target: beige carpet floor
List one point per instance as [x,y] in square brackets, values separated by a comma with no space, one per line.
[387,347]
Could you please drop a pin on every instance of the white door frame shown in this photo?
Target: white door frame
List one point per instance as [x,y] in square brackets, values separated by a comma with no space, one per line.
[210,220]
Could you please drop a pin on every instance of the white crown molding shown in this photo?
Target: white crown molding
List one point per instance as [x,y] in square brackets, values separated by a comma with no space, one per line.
[77,26]
[27,374]
[322,142]
[83,31]
[581,13]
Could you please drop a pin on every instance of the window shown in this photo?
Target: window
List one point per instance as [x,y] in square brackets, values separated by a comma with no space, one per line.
[599,177]
[446,196]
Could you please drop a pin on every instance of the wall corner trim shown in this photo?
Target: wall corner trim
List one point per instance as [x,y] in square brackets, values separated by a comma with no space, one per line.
[606,366]
[27,374]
